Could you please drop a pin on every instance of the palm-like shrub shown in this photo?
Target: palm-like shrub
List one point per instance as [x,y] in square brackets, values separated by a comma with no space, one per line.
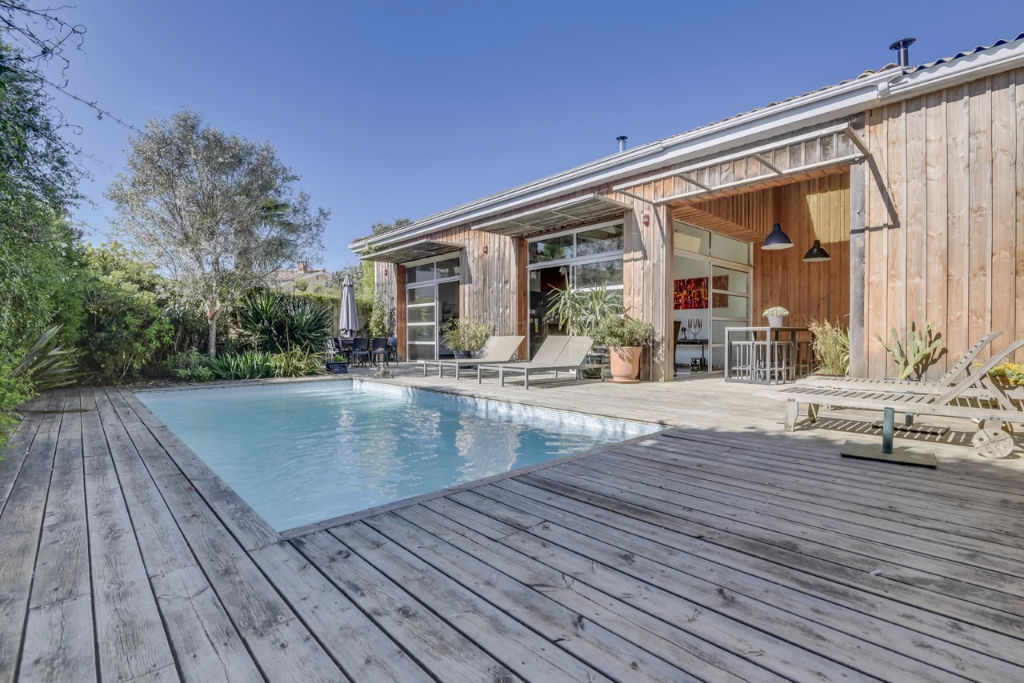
[276,323]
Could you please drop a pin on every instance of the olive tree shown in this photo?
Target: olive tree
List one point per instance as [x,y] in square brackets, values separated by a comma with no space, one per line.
[217,212]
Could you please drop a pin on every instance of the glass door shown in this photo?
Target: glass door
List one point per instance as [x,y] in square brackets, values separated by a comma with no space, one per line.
[730,307]
[431,300]
[421,322]
[448,306]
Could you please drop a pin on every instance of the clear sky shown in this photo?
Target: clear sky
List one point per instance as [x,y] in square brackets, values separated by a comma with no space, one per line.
[402,109]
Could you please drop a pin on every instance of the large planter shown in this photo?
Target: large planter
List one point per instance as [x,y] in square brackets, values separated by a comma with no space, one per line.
[776,321]
[625,363]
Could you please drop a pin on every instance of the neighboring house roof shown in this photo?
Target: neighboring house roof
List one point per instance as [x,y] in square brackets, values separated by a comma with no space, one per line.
[870,89]
[285,280]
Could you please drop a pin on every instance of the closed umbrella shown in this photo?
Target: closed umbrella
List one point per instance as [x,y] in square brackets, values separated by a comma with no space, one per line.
[348,320]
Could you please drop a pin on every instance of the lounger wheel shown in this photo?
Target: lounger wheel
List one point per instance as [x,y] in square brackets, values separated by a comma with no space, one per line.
[993,439]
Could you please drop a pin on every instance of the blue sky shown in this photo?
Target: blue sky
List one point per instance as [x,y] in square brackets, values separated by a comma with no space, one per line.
[402,109]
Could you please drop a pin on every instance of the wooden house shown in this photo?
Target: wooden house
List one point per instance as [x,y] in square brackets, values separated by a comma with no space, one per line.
[910,177]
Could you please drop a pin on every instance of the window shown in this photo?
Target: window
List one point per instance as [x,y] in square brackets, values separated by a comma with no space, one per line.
[586,258]
[431,300]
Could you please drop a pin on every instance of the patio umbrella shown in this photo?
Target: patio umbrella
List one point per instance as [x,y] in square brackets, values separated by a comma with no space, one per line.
[348,320]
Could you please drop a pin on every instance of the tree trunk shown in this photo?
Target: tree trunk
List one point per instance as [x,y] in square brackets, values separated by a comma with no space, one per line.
[211,343]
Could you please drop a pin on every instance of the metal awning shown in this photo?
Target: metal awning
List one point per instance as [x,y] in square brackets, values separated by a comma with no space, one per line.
[412,251]
[568,212]
[836,145]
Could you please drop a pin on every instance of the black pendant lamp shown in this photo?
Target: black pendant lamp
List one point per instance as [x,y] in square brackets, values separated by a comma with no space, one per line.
[777,239]
[817,253]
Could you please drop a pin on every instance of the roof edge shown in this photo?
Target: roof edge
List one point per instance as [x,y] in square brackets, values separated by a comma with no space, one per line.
[820,106]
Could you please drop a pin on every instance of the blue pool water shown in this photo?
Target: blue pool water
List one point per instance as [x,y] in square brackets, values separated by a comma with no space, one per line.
[306,452]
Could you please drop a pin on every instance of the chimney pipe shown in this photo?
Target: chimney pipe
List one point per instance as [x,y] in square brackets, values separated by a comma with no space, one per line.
[902,46]
[622,142]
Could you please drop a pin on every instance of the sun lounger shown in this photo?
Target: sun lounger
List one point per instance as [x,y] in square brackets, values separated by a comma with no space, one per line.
[497,349]
[959,372]
[556,354]
[971,398]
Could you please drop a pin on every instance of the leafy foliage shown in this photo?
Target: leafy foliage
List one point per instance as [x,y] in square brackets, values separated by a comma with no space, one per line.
[14,390]
[124,326]
[190,366]
[1009,373]
[580,311]
[466,334]
[244,365]
[618,330]
[922,349]
[276,322]
[218,212]
[831,347]
[297,363]
[37,167]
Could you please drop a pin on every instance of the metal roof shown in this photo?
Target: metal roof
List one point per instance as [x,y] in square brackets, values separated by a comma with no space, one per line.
[412,251]
[575,210]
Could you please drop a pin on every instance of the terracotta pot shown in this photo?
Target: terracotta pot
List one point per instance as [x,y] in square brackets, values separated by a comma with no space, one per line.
[625,363]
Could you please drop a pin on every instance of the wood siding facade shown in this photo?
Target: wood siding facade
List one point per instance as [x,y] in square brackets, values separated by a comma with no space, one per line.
[938,229]
[945,217]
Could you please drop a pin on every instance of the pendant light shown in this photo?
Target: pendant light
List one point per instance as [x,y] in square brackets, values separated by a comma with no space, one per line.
[777,239]
[817,253]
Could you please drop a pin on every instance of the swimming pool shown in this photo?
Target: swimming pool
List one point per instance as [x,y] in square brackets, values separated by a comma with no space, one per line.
[305,452]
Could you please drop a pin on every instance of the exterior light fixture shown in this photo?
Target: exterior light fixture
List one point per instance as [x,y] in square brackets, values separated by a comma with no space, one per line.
[817,253]
[776,239]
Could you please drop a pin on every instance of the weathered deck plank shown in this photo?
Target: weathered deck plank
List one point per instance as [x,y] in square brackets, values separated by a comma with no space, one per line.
[60,606]
[20,527]
[711,554]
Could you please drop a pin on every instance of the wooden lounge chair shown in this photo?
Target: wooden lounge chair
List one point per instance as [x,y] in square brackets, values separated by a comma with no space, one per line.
[959,372]
[556,354]
[971,398]
[497,349]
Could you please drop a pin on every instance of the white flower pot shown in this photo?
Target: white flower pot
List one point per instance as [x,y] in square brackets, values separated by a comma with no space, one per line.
[776,320]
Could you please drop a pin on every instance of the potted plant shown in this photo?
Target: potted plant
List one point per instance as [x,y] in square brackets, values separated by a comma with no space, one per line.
[580,312]
[338,365]
[465,336]
[775,315]
[625,339]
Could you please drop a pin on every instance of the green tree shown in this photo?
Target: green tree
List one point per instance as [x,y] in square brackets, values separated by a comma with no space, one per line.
[219,213]
[125,324]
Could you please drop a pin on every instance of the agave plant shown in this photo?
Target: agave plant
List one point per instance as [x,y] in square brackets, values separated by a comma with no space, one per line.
[46,365]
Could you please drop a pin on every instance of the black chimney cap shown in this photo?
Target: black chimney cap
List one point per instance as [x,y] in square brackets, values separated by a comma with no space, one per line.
[902,43]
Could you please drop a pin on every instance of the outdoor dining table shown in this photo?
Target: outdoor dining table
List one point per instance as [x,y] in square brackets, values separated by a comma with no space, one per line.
[767,355]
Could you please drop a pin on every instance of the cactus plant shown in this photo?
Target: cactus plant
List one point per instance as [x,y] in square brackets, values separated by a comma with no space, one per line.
[922,349]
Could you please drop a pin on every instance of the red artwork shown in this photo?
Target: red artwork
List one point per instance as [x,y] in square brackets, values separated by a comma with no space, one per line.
[693,293]
[690,293]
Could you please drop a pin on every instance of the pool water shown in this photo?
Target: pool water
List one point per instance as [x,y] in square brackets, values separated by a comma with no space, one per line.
[305,452]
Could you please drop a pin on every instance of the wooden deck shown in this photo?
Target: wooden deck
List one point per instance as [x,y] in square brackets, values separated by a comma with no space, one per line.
[691,554]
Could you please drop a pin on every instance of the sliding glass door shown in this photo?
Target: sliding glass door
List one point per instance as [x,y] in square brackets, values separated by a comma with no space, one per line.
[711,291]
[431,300]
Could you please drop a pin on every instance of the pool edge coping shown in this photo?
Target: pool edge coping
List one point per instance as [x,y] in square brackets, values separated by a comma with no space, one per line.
[306,529]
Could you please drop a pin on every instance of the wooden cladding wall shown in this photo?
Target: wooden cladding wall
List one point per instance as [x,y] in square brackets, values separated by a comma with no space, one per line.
[647,271]
[493,284]
[808,210]
[945,217]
